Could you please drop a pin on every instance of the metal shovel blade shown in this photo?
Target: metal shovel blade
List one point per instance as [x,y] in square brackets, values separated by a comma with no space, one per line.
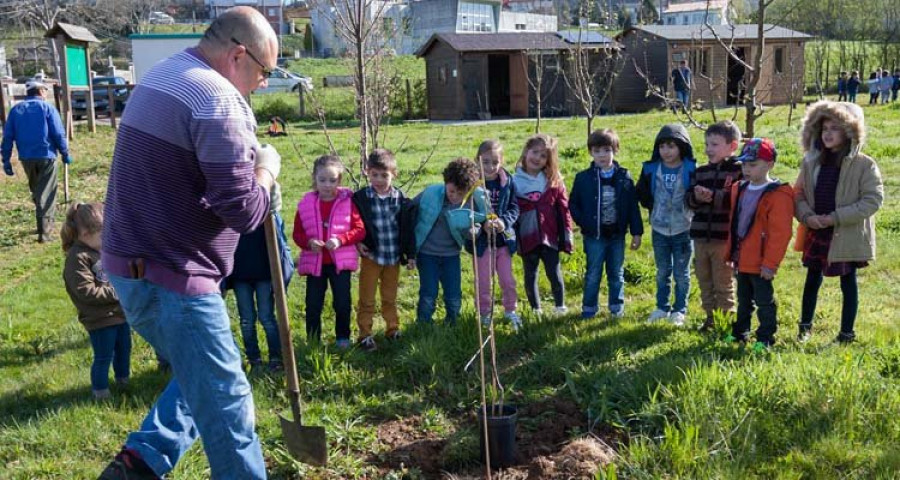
[306,444]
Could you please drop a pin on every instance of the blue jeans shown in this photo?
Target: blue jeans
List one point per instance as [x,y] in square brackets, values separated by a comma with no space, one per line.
[684,97]
[599,252]
[208,397]
[112,346]
[673,259]
[434,270]
[263,308]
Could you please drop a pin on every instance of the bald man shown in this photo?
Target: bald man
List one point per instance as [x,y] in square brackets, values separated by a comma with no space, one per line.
[188,177]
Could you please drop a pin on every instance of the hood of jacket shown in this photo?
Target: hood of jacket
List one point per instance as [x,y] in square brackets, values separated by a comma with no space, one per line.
[677,132]
[849,115]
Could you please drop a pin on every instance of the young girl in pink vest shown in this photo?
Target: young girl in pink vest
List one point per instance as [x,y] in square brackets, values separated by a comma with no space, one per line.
[327,228]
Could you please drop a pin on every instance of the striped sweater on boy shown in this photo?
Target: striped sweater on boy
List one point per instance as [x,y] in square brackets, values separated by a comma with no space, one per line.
[182,186]
[710,220]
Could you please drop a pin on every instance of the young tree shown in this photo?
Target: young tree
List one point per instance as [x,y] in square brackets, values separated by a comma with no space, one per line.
[536,64]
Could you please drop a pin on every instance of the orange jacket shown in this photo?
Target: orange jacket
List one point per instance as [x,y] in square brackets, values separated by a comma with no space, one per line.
[770,232]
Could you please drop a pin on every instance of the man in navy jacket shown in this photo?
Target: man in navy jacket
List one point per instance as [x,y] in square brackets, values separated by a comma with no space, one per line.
[35,127]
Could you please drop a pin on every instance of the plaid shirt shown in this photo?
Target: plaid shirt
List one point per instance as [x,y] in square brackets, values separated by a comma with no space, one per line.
[387,230]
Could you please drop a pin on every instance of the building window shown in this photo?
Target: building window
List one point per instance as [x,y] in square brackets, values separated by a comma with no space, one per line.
[475,17]
[700,61]
[520,26]
[273,12]
[779,60]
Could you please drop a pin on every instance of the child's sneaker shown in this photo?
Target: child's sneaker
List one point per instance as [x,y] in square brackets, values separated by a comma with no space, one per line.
[342,343]
[657,315]
[394,337]
[804,334]
[845,338]
[708,325]
[617,314]
[275,366]
[367,344]
[514,320]
[677,319]
[586,315]
[101,394]
[561,310]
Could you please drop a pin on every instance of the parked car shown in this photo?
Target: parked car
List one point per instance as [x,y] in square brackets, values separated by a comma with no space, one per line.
[101,98]
[161,18]
[281,80]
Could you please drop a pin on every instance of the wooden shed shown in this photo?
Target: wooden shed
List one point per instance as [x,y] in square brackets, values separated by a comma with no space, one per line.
[486,75]
[653,51]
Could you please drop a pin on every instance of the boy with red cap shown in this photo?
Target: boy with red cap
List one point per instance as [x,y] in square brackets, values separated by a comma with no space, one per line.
[761,223]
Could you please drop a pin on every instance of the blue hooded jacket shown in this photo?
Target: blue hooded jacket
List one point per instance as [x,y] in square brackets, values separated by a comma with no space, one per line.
[37,130]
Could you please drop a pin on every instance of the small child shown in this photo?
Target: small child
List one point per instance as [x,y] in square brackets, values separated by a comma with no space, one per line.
[94,298]
[838,191]
[762,211]
[896,85]
[873,82]
[251,280]
[387,246]
[885,84]
[501,192]
[853,86]
[842,87]
[661,189]
[545,225]
[710,199]
[327,228]
[439,239]
[604,205]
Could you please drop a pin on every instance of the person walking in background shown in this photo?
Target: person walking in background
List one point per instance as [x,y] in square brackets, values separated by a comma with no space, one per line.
[838,191]
[327,228]
[188,177]
[874,82]
[853,86]
[842,87]
[95,299]
[36,130]
[886,83]
[682,82]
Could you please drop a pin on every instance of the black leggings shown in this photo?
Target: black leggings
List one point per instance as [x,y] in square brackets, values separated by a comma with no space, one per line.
[531,262]
[850,305]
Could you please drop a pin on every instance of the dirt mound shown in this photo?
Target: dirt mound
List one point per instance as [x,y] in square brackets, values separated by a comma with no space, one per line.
[549,438]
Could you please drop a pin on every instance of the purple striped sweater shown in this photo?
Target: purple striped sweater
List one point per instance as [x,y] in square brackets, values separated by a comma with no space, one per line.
[182,186]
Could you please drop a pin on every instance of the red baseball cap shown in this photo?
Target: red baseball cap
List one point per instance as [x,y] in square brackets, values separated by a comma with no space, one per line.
[758,149]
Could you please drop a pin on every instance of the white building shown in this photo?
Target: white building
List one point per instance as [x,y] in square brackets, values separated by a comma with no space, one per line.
[273,10]
[695,13]
[412,22]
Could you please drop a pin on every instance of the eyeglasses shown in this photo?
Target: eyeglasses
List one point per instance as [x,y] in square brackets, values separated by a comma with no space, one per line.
[265,70]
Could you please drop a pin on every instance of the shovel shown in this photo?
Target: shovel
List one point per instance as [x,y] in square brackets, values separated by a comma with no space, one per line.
[306,444]
[66,182]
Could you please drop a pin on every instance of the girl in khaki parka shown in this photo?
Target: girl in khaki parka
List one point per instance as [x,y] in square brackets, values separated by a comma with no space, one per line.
[837,193]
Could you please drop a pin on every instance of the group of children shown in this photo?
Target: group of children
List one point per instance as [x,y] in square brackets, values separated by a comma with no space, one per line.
[881,85]
[729,215]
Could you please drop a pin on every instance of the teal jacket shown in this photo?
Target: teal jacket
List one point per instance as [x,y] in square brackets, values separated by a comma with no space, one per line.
[428,206]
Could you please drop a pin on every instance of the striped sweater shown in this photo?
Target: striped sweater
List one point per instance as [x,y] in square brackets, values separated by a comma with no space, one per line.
[182,186]
[710,220]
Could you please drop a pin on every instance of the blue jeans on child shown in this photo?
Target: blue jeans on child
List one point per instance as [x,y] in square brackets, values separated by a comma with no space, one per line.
[611,253]
[208,397]
[434,270]
[255,300]
[673,259]
[112,346]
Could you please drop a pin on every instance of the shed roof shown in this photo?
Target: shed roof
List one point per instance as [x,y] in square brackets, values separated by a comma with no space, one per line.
[700,5]
[75,32]
[698,32]
[513,41]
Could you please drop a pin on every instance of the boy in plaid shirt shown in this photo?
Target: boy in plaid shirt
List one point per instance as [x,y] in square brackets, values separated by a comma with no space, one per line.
[386,246]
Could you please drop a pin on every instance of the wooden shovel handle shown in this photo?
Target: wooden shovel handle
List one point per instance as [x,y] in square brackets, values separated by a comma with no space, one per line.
[281,310]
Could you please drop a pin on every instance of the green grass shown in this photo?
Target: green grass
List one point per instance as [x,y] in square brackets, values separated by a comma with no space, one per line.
[673,403]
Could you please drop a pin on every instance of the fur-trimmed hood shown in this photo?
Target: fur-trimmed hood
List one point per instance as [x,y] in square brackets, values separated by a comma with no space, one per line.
[850,115]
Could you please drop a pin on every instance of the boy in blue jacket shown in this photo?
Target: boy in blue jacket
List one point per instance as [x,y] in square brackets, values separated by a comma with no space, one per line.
[605,206]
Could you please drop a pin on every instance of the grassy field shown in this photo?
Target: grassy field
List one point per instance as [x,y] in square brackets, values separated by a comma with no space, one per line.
[598,399]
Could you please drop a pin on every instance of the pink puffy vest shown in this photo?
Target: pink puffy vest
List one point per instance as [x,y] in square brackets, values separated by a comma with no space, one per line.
[345,257]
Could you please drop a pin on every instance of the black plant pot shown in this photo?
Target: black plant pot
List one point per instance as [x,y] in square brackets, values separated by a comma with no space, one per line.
[501,426]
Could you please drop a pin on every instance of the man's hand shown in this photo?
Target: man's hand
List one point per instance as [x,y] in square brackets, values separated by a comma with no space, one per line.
[332,243]
[702,194]
[635,242]
[67,159]
[766,274]
[268,159]
[315,245]
[7,168]
[411,265]
[275,197]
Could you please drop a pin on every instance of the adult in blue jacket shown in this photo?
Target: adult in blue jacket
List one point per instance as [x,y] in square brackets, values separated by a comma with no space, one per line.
[35,128]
